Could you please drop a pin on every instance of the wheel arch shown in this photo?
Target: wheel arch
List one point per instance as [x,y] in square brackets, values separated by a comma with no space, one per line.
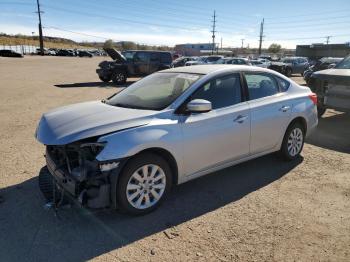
[301,120]
[167,156]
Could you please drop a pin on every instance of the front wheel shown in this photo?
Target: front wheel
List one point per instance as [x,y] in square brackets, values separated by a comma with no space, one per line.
[144,183]
[288,71]
[293,142]
[119,77]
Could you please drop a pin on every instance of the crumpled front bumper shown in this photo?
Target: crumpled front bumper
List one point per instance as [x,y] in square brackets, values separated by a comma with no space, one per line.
[64,184]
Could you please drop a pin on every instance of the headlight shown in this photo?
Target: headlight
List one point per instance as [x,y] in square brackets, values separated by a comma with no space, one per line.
[108,166]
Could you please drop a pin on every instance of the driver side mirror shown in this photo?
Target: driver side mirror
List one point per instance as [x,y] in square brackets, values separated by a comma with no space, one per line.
[199,106]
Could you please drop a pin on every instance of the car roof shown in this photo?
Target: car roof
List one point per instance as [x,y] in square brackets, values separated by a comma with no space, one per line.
[207,69]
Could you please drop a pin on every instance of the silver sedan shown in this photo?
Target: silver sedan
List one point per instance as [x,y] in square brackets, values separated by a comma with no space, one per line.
[171,127]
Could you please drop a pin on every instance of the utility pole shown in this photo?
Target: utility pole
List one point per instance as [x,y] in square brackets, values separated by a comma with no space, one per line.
[327,39]
[213,33]
[261,35]
[242,42]
[41,40]
[221,43]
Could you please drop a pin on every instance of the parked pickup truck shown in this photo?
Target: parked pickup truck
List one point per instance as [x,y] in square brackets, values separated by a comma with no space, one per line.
[332,87]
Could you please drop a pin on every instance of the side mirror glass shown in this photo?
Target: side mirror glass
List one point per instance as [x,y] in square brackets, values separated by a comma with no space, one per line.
[199,106]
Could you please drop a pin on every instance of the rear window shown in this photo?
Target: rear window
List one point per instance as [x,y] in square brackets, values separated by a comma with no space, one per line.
[283,84]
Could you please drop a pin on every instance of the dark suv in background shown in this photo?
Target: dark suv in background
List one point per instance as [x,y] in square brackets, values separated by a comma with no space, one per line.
[132,63]
[290,65]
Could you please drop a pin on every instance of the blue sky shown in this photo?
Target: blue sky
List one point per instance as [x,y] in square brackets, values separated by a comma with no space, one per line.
[172,22]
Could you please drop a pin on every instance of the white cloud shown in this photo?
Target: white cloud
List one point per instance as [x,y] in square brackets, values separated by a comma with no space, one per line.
[154,35]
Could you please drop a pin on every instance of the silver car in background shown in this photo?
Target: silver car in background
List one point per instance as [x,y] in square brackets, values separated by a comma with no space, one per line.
[168,128]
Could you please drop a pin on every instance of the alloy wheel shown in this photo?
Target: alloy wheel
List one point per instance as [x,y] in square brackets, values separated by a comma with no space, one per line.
[295,141]
[146,186]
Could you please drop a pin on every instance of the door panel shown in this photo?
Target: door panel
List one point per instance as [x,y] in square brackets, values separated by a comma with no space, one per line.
[270,111]
[215,137]
[269,119]
[222,134]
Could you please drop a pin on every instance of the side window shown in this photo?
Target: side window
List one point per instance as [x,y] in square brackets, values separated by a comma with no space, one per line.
[260,85]
[283,84]
[221,92]
[141,57]
[165,58]
[154,57]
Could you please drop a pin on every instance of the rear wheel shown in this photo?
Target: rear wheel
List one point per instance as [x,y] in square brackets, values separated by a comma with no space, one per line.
[119,77]
[144,183]
[321,111]
[288,71]
[293,141]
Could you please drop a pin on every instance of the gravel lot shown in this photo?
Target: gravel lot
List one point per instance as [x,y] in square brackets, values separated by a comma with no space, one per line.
[262,210]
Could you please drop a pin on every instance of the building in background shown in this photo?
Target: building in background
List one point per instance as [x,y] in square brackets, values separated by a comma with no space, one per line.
[317,51]
[193,49]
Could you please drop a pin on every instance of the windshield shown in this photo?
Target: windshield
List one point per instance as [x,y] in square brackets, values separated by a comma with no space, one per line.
[154,92]
[202,58]
[221,61]
[128,55]
[213,58]
[345,64]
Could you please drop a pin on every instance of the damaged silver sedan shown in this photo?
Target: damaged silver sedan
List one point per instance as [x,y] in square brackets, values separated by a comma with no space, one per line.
[127,151]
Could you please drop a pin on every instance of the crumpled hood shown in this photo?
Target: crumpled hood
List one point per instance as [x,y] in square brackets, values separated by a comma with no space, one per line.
[279,63]
[71,123]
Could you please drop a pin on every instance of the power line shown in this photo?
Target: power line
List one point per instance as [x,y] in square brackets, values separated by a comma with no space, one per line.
[309,14]
[316,37]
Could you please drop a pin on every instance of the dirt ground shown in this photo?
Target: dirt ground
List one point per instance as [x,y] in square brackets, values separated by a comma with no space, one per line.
[262,210]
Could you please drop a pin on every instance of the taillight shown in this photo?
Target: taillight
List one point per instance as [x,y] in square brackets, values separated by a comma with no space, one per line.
[313,98]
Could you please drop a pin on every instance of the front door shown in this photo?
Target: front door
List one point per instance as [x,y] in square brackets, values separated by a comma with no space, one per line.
[221,135]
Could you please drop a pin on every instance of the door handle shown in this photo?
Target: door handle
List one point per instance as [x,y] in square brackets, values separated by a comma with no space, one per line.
[284,108]
[240,119]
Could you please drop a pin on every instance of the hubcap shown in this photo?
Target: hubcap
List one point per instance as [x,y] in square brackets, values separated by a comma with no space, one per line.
[120,77]
[146,186]
[295,141]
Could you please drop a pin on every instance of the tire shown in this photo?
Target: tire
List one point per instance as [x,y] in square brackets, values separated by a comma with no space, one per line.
[321,111]
[133,192]
[119,77]
[105,79]
[293,142]
[288,71]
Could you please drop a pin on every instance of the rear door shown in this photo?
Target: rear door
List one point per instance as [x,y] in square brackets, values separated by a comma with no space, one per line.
[270,111]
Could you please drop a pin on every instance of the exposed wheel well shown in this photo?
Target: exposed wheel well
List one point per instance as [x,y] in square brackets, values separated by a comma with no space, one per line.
[167,157]
[300,120]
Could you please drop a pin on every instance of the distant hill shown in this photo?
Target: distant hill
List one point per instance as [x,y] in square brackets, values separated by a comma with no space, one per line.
[59,42]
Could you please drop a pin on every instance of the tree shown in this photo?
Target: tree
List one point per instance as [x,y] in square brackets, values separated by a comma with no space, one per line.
[274,48]
[108,44]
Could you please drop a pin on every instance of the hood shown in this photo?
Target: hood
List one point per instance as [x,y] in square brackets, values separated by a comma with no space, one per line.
[68,124]
[115,55]
[278,63]
[333,74]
